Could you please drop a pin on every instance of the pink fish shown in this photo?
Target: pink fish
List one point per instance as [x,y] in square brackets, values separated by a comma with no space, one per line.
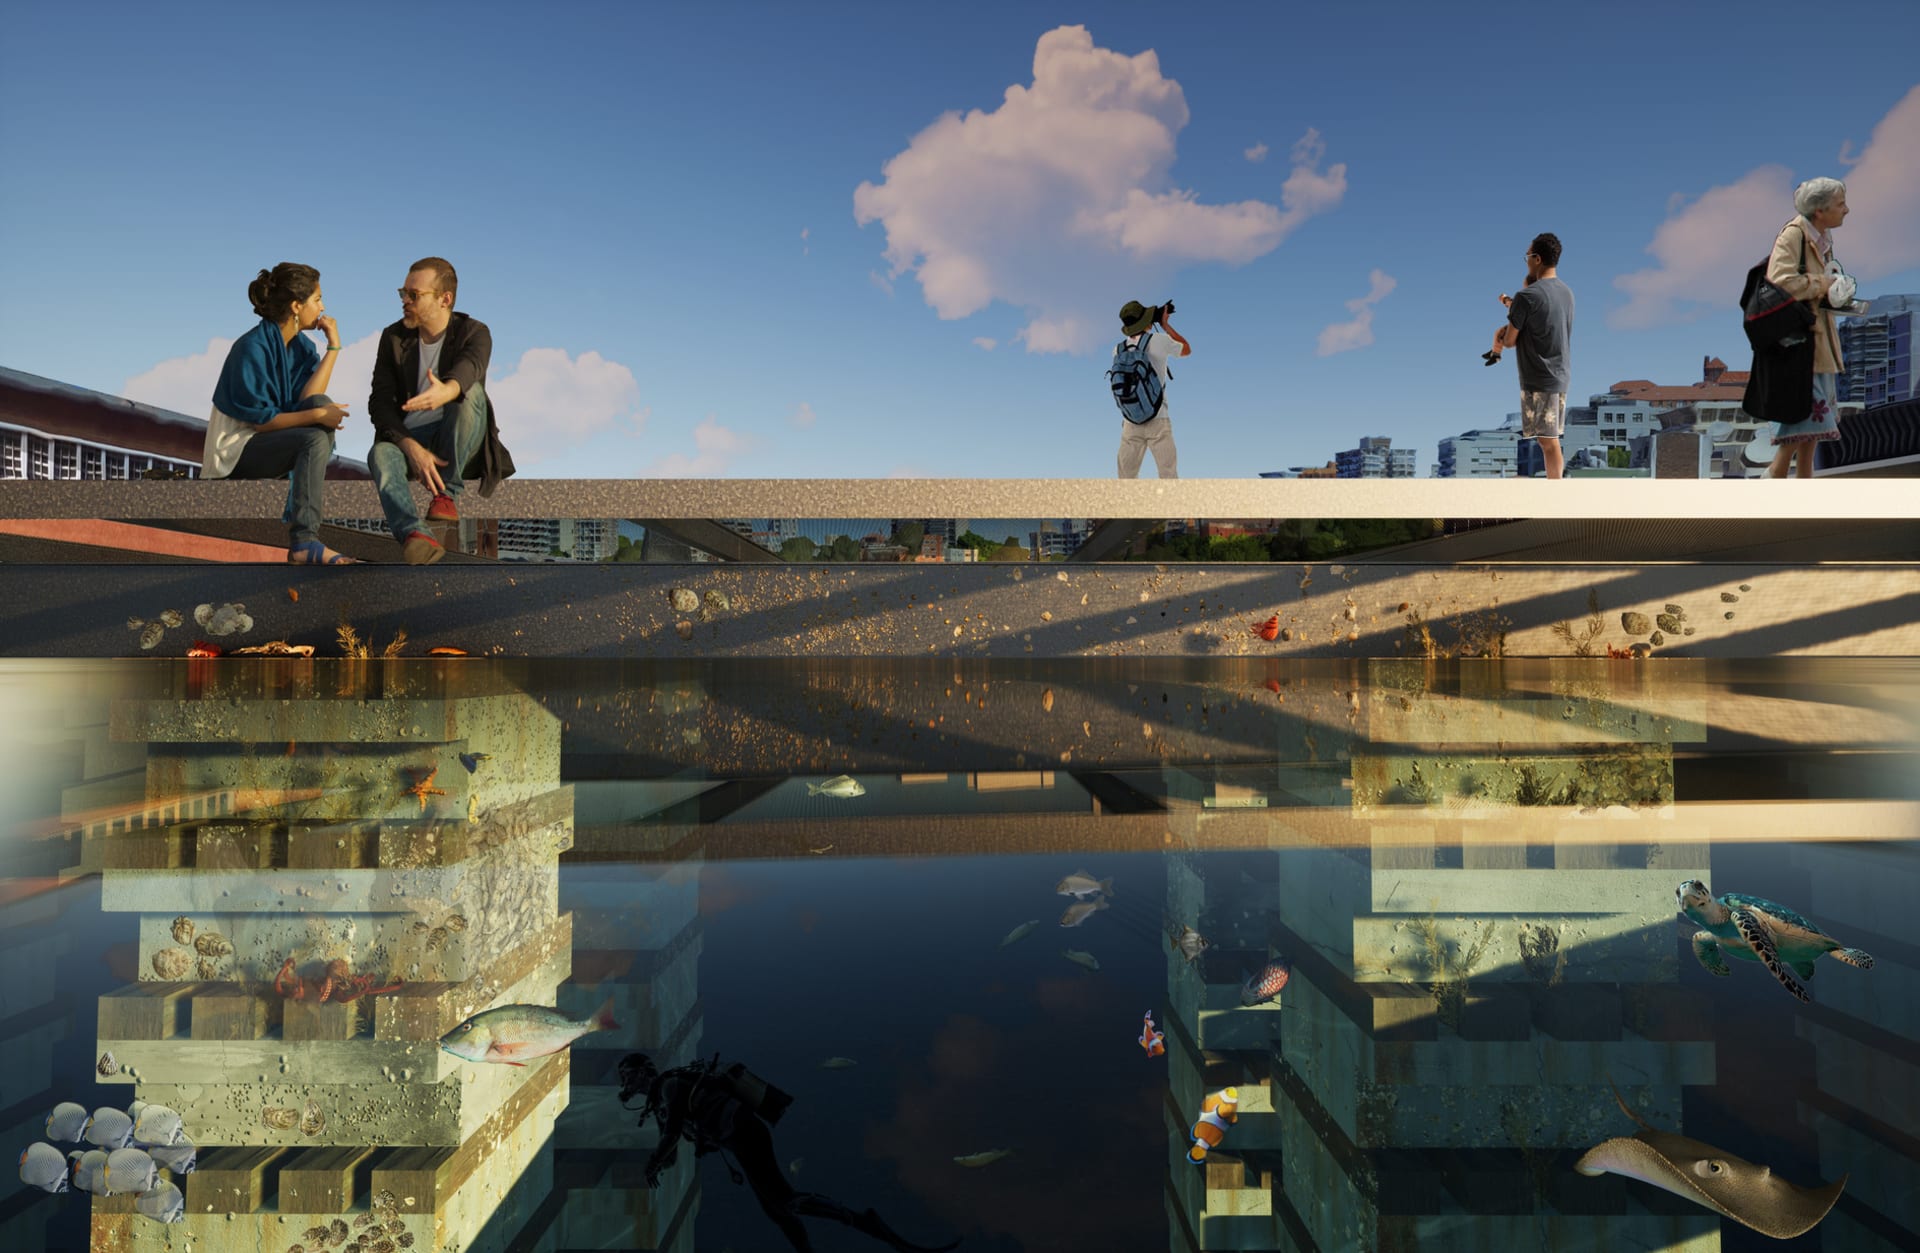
[1265,986]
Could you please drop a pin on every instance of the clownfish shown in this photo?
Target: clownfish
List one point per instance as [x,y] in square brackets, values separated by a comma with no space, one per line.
[1154,1042]
[1218,1112]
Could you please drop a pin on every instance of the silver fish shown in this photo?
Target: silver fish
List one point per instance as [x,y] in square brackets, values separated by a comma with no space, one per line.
[987,1158]
[130,1170]
[90,1171]
[1188,943]
[43,1166]
[838,1063]
[1080,911]
[155,1125]
[1748,1194]
[164,1204]
[177,1158]
[843,786]
[68,1121]
[1079,958]
[1020,932]
[109,1128]
[1082,884]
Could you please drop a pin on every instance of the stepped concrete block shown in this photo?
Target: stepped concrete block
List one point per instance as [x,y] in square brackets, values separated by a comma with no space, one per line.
[145,1011]
[307,1020]
[321,1181]
[427,1011]
[1535,720]
[233,1180]
[1626,948]
[187,1062]
[1647,894]
[229,1012]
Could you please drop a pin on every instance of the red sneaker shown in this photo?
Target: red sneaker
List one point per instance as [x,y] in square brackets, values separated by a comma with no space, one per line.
[442,509]
[421,549]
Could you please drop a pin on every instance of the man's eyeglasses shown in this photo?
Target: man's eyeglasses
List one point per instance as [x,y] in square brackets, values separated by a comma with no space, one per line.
[412,295]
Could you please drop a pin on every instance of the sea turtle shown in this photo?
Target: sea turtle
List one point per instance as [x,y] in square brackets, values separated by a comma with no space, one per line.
[1753,928]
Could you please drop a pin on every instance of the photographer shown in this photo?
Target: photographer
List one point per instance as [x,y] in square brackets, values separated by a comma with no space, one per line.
[1139,378]
[1540,325]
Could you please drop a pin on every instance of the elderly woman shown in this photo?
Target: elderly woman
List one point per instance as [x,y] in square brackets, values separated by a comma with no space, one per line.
[1801,253]
[271,415]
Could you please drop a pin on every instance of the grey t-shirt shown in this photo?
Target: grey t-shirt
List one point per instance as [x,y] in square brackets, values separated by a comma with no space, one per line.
[1543,314]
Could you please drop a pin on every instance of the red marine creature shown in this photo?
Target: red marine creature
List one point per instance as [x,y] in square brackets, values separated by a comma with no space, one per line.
[203,649]
[339,984]
[423,786]
[1268,630]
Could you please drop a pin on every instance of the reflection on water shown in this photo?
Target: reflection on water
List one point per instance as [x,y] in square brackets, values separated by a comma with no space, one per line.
[932,904]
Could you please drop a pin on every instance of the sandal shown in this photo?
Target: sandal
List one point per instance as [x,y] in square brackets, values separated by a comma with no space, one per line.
[314,553]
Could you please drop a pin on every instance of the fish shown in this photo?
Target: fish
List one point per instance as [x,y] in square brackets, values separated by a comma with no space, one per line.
[1219,1111]
[1079,958]
[43,1166]
[1080,911]
[1082,885]
[988,1158]
[472,760]
[68,1121]
[843,786]
[1260,988]
[1188,943]
[155,1125]
[89,1171]
[130,1170]
[838,1063]
[180,1159]
[1750,1195]
[509,1034]
[1020,932]
[109,1128]
[163,1204]
[1154,1042]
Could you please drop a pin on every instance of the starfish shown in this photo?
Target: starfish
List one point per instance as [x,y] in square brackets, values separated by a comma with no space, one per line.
[423,787]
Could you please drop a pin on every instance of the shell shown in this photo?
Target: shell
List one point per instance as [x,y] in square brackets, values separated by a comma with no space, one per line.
[684,600]
[406,1239]
[362,1220]
[134,624]
[280,1118]
[395,1226]
[337,1230]
[420,928]
[718,601]
[172,964]
[183,930]
[684,629]
[171,617]
[456,922]
[314,1234]
[107,1065]
[437,939]
[202,614]
[213,944]
[150,638]
[382,1245]
[208,968]
[312,1123]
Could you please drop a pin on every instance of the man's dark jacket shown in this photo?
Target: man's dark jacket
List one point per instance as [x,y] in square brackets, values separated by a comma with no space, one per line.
[464,353]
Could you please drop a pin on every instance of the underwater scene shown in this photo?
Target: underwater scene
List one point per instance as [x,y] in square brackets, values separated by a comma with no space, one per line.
[479,955]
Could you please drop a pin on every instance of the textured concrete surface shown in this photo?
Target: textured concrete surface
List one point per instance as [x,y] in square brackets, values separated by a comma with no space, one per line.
[988,610]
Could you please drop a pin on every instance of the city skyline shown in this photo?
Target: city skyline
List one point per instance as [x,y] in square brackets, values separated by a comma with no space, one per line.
[806,276]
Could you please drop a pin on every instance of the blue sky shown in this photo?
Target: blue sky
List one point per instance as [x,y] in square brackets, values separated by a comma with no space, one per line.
[769,240]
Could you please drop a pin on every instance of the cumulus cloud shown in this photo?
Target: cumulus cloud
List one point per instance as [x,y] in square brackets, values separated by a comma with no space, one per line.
[1256,154]
[1357,332]
[552,399]
[802,415]
[185,384]
[715,449]
[985,344]
[1059,201]
[1705,246]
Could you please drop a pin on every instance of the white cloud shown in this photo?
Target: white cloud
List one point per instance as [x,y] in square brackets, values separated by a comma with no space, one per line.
[1358,331]
[715,449]
[1059,201]
[1705,247]
[802,416]
[985,344]
[881,281]
[1256,154]
[550,399]
[185,384]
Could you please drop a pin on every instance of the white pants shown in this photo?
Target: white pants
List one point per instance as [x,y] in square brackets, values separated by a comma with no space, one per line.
[1137,438]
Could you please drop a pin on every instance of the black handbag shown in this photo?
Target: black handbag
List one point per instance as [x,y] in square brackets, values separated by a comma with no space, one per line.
[1773,318]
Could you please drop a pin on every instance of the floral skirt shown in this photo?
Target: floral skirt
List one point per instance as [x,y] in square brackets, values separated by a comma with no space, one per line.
[1822,424]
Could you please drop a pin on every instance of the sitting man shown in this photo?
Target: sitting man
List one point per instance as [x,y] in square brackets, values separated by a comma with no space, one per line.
[429,409]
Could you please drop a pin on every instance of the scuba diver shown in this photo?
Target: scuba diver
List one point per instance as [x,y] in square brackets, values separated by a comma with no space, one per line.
[732,1111]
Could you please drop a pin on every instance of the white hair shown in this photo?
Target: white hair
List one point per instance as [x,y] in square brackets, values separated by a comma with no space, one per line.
[1816,194]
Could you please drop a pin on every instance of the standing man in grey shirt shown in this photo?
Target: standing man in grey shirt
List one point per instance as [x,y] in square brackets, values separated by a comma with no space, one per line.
[1540,325]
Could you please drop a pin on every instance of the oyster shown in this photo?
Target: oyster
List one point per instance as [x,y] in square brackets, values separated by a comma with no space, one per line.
[107,1065]
[183,930]
[134,624]
[437,939]
[150,638]
[456,922]
[171,617]
[684,600]
[203,614]
[207,968]
[213,944]
[281,1118]
[312,1123]
[172,964]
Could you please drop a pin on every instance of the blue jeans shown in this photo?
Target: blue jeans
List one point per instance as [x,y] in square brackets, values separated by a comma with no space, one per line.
[455,436]
[298,454]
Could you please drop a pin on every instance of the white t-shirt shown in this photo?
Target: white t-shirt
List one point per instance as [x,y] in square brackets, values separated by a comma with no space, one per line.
[429,363]
[1159,351]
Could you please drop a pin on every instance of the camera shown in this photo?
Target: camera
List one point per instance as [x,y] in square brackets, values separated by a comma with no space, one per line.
[1164,310]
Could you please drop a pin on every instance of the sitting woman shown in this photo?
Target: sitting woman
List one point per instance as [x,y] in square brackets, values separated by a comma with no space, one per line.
[271,415]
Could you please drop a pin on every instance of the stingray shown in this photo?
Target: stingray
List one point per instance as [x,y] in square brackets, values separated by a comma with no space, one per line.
[1751,1195]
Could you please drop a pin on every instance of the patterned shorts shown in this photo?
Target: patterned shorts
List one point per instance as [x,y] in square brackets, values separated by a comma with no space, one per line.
[1543,415]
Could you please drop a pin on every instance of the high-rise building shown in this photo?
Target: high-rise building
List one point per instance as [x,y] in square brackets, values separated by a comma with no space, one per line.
[1375,458]
[1878,350]
[1482,454]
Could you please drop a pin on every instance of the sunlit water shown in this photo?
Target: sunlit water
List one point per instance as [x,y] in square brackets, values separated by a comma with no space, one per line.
[1470,871]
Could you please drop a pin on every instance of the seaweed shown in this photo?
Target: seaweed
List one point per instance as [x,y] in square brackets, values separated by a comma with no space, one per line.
[1448,972]
[1541,954]
[1582,641]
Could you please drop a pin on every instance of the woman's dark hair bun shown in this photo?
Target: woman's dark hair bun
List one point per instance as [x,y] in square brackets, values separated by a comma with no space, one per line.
[273,290]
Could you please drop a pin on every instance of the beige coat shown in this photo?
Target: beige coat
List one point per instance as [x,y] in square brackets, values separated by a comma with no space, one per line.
[1783,271]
